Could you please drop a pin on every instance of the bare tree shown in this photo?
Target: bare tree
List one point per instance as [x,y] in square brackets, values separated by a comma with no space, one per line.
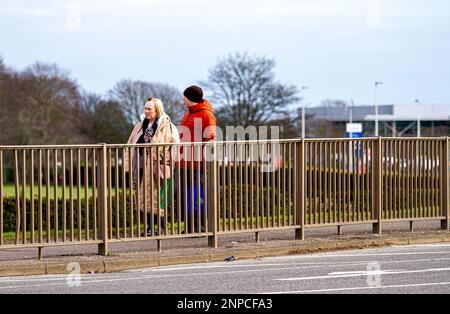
[48,105]
[245,90]
[103,121]
[132,95]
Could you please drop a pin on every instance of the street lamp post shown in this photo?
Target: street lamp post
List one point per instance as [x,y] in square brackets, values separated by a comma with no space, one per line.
[376,108]
[418,119]
[303,111]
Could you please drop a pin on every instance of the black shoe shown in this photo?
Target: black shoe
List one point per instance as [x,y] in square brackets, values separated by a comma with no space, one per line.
[149,232]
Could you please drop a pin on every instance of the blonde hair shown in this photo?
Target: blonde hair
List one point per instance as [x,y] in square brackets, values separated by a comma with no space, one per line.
[159,106]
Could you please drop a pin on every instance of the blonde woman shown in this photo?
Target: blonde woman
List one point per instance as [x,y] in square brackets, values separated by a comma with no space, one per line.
[156,128]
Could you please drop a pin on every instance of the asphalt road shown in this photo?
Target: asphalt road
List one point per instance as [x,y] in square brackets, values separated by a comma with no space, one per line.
[407,269]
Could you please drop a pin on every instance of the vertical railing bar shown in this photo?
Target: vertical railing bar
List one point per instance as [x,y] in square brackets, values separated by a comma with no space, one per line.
[316,186]
[371,186]
[139,206]
[284,184]
[330,184]
[391,179]
[349,181]
[24,197]
[110,192]
[247,196]
[445,210]
[145,210]
[154,175]
[268,170]
[64,196]
[405,179]
[235,187]
[192,192]
[411,179]
[267,185]
[291,209]
[295,148]
[186,198]
[425,179]
[436,178]
[364,170]
[166,195]
[18,207]
[72,218]
[40,223]
[271,183]
[378,186]
[433,154]
[429,175]
[116,168]
[355,158]
[94,194]
[395,187]
[321,189]
[399,178]
[86,193]
[416,180]
[2,194]
[163,218]
[358,180]
[442,169]
[261,177]
[32,209]
[386,175]
[326,204]
[179,191]
[131,173]
[436,195]
[421,179]
[363,180]
[279,163]
[252,182]
[224,209]
[355,165]
[256,183]
[408,181]
[124,196]
[1,197]
[80,222]
[241,185]
[55,179]
[172,189]
[340,186]
[48,196]
[313,187]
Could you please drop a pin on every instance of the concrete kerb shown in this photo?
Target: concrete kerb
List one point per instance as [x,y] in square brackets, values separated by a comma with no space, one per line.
[116,264]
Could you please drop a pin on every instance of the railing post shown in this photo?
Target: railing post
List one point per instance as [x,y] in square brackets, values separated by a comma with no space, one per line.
[300,192]
[445,188]
[212,197]
[103,248]
[378,188]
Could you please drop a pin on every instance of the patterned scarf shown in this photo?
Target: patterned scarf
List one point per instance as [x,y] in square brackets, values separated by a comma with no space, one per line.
[148,135]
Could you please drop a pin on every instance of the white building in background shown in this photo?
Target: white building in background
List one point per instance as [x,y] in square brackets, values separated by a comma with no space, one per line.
[394,120]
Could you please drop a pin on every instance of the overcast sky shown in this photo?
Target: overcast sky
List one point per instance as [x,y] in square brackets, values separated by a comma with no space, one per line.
[337,48]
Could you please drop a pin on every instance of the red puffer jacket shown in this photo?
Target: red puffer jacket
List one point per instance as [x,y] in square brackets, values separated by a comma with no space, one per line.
[198,125]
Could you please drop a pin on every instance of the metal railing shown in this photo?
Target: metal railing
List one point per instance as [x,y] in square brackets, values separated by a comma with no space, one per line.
[102,194]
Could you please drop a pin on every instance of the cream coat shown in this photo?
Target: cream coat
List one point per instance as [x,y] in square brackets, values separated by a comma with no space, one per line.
[165,134]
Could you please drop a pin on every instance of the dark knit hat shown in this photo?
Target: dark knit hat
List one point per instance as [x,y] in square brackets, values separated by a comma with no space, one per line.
[194,94]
